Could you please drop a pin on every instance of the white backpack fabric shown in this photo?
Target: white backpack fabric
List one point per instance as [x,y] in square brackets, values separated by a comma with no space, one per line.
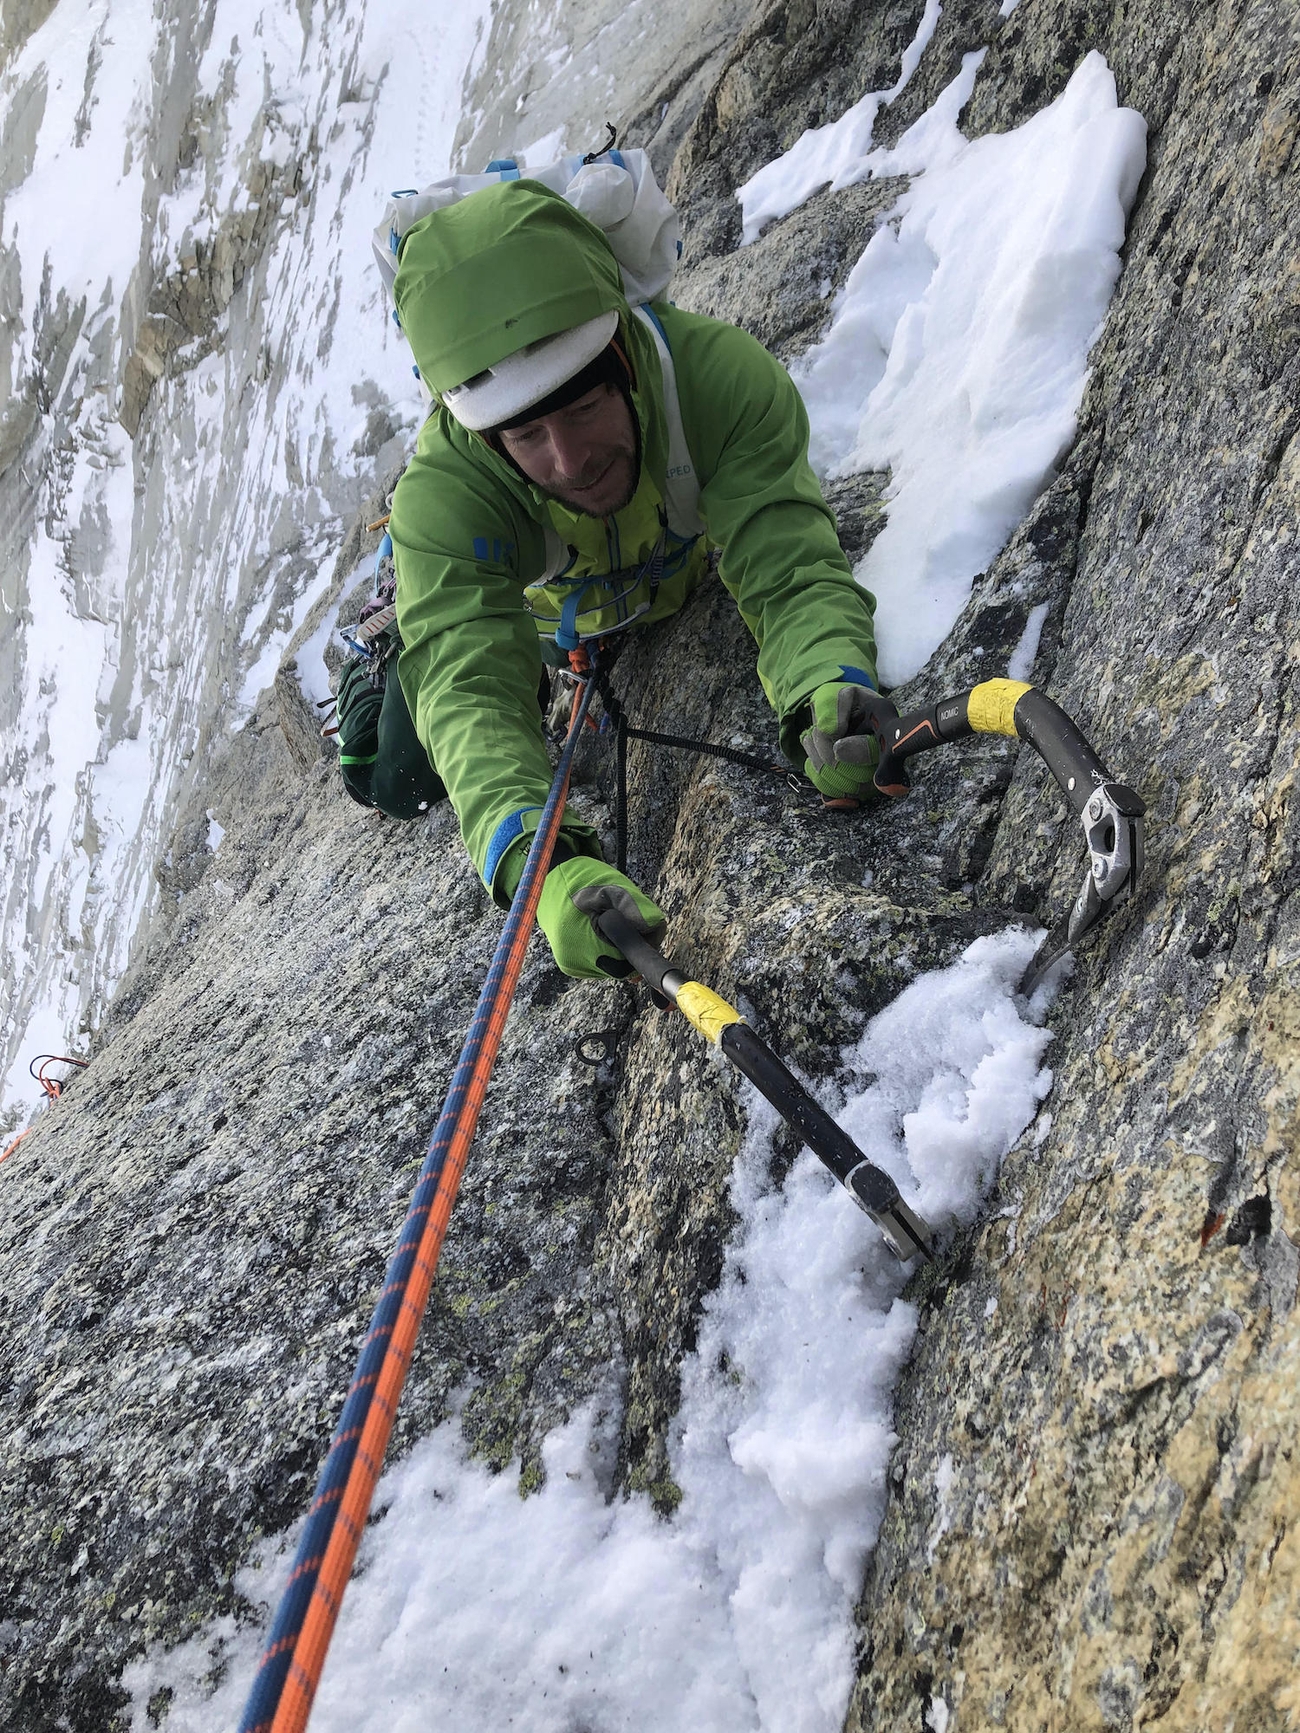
[618,193]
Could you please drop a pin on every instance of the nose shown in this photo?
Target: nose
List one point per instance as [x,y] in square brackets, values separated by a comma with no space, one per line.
[572,453]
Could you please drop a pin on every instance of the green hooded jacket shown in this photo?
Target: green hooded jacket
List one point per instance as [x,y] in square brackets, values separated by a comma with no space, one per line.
[487,276]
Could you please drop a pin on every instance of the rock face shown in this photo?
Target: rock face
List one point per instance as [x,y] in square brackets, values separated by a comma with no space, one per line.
[646,71]
[1099,1530]
[1094,1520]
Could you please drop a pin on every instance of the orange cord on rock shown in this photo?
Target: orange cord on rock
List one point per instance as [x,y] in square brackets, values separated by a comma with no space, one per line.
[52,1086]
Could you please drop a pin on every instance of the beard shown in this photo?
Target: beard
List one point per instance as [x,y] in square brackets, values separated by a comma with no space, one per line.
[612,490]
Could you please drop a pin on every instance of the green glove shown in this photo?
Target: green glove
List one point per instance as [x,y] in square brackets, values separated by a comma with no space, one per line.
[575,892]
[842,748]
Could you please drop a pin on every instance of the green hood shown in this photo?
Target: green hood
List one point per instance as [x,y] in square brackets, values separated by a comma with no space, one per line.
[496,271]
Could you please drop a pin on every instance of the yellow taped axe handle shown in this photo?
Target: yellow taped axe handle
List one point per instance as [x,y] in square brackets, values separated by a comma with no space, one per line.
[706,1010]
[991,706]
[1007,707]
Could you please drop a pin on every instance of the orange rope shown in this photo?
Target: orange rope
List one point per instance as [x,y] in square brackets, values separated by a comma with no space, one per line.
[334,1568]
[17,1140]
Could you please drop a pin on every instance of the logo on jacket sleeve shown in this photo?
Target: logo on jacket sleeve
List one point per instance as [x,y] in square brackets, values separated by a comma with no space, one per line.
[496,550]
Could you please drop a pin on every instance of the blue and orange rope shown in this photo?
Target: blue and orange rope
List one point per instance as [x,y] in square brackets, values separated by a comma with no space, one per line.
[285,1687]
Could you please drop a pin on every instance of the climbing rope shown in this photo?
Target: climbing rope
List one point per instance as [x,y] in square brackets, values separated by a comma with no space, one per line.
[282,1694]
[52,1086]
[11,1147]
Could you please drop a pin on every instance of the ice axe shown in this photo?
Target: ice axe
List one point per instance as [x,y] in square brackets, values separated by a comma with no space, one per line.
[719,1022]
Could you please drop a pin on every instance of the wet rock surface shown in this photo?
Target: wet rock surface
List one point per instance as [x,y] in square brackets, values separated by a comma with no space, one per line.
[1093,1519]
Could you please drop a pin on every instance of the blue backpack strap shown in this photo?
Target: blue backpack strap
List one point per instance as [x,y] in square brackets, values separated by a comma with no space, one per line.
[566,633]
[647,312]
[505,166]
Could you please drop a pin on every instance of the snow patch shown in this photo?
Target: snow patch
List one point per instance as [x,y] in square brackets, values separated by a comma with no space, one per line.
[475,1608]
[544,151]
[957,354]
[827,155]
[936,1716]
[1021,664]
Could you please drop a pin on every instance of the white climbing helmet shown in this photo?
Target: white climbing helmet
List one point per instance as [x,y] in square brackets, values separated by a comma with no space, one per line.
[503,392]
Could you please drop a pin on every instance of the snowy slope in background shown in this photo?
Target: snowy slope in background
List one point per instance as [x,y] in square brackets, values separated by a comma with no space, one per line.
[152,587]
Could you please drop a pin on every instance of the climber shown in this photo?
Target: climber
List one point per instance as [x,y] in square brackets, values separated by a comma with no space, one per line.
[582,469]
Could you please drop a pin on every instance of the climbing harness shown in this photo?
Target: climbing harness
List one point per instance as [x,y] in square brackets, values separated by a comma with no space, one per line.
[720,1023]
[613,590]
[1110,812]
[281,1698]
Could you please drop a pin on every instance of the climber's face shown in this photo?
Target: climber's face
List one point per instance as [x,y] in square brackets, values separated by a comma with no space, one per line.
[584,455]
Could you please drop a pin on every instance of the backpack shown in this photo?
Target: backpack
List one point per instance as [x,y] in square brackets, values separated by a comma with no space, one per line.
[380,756]
[616,190]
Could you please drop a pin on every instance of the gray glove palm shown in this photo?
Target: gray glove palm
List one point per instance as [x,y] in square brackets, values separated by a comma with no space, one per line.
[842,745]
